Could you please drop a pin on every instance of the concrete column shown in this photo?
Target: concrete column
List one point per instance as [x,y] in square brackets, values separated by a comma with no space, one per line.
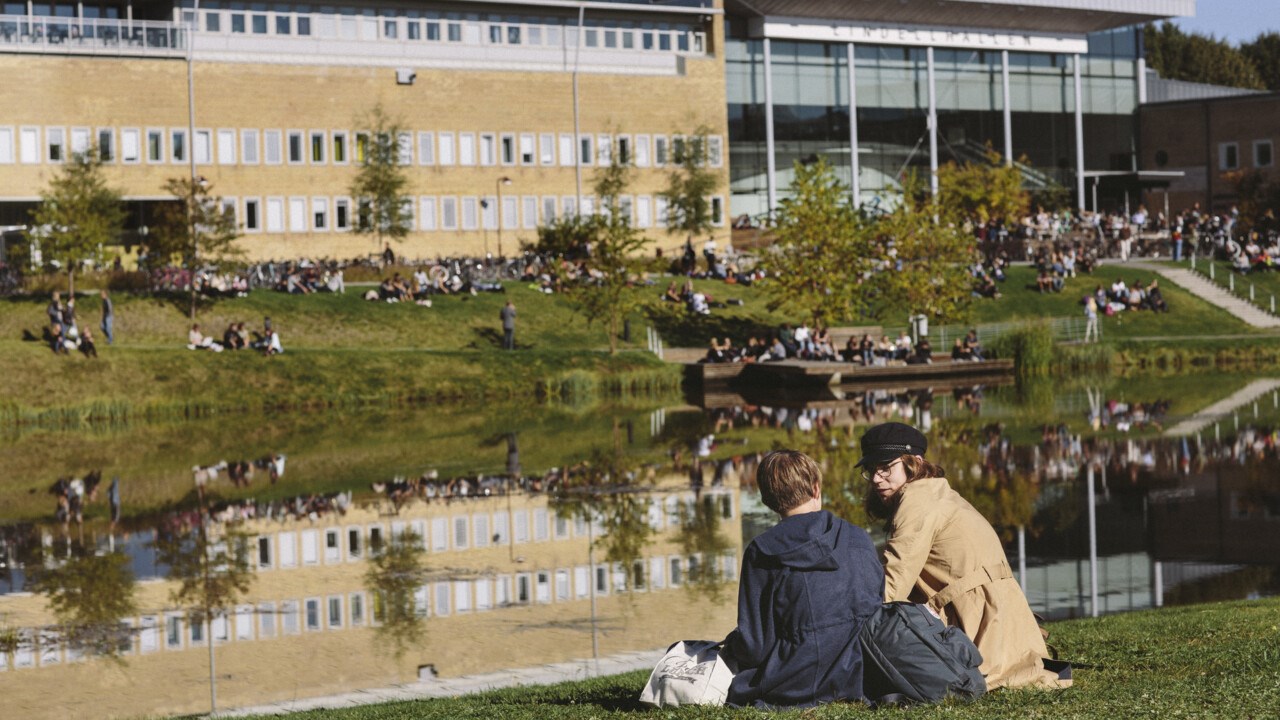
[1075,66]
[933,125]
[855,187]
[771,162]
[1008,111]
[1093,545]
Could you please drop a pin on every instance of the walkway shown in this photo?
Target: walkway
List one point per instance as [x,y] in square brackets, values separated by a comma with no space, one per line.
[1241,397]
[1211,293]
[433,688]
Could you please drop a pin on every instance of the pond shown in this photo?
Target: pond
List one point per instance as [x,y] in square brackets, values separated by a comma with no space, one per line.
[367,549]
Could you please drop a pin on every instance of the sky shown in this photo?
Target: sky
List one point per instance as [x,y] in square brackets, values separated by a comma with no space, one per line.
[1237,20]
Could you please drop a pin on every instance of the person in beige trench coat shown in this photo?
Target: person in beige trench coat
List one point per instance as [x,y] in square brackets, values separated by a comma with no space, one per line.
[941,552]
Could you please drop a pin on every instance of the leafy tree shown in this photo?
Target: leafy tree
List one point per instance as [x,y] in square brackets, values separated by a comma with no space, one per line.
[1259,200]
[822,257]
[78,214]
[91,595]
[1264,53]
[394,575]
[690,184]
[211,572]
[382,181]
[198,228]
[1176,55]
[981,192]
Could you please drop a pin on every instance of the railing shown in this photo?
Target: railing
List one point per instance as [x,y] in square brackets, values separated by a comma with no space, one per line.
[1064,329]
[91,36]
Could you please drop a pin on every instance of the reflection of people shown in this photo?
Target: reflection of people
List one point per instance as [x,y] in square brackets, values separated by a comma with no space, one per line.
[808,584]
[942,552]
[508,316]
[113,499]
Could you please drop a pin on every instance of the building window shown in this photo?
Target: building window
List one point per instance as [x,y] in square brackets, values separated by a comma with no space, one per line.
[487,141]
[295,147]
[335,611]
[273,152]
[357,609]
[624,149]
[339,147]
[449,213]
[527,149]
[1263,154]
[566,150]
[342,214]
[530,212]
[715,151]
[585,150]
[320,213]
[313,613]
[317,146]
[249,147]
[130,145]
[226,147]
[547,148]
[106,145]
[1228,156]
[29,145]
[509,149]
[659,150]
[717,211]
[426,148]
[283,24]
[447,156]
[642,150]
[259,24]
[6,145]
[604,148]
[427,213]
[549,210]
[252,215]
[362,147]
[489,213]
[178,146]
[297,214]
[404,148]
[79,141]
[467,149]
[643,207]
[55,142]
[203,147]
[275,215]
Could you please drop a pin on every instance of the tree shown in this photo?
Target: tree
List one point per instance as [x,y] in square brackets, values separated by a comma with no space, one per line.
[981,192]
[91,595]
[395,573]
[197,228]
[78,214]
[1176,55]
[212,571]
[701,536]
[690,184]
[1264,53]
[381,183]
[822,258]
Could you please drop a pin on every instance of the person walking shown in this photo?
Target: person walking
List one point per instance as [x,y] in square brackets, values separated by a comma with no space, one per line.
[942,552]
[508,316]
[108,318]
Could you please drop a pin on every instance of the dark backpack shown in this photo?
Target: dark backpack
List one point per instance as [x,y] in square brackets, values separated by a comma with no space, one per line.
[910,656]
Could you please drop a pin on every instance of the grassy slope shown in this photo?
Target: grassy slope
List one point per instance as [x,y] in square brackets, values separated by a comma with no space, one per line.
[1202,661]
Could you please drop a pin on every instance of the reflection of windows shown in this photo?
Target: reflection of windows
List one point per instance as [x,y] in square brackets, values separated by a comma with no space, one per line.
[313,613]
[357,609]
[266,620]
[335,611]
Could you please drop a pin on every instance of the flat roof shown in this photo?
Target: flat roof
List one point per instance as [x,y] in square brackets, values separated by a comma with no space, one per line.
[1049,16]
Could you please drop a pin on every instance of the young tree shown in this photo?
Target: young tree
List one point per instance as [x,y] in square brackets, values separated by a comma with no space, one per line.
[91,595]
[196,229]
[212,571]
[822,258]
[690,184]
[395,573]
[382,180]
[981,192]
[78,214]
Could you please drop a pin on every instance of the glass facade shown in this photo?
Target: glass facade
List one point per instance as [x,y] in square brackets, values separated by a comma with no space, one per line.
[810,89]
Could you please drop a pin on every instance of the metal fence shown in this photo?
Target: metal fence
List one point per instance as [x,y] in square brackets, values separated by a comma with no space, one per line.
[1064,329]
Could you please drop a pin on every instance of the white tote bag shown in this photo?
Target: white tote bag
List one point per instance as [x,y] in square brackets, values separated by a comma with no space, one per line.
[691,673]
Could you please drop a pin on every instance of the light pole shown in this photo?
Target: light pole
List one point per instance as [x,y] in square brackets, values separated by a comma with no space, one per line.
[191,156]
[504,180]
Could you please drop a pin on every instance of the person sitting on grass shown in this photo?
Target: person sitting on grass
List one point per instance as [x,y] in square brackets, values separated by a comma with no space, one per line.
[231,338]
[1155,298]
[57,339]
[86,345]
[197,341]
[273,346]
[808,584]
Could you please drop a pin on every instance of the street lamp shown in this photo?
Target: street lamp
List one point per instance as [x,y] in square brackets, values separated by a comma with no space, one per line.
[504,180]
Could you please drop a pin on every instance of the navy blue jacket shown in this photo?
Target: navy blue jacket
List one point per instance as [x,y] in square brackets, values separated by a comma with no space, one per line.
[807,585]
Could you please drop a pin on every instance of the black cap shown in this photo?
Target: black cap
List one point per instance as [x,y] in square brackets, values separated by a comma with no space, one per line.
[888,441]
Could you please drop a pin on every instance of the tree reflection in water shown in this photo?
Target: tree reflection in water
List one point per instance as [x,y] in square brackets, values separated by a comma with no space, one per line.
[701,537]
[91,595]
[395,574]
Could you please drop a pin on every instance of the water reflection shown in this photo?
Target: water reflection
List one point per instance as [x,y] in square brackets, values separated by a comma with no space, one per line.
[476,544]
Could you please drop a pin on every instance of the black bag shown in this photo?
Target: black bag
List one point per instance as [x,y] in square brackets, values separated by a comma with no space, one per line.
[910,656]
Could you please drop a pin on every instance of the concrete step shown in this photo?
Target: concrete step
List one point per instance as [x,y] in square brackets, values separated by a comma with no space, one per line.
[1211,293]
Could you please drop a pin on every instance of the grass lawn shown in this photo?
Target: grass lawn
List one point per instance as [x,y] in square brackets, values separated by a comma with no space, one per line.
[1199,661]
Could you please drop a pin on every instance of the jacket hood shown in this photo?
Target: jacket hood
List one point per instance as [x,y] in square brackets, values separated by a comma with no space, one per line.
[802,542]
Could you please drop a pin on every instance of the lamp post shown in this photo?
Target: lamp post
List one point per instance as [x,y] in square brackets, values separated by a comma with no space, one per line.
[504,180]
[191,157]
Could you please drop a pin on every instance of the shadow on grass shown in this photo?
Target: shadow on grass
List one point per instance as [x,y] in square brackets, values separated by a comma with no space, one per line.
[489,337]
[679,329]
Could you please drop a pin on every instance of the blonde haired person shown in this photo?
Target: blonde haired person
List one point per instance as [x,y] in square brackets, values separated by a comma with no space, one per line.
[941,552]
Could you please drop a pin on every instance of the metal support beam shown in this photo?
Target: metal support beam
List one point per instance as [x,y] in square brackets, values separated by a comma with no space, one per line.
[855,187]
[771,163]
[1075,67]
[1008,111]
[933,125]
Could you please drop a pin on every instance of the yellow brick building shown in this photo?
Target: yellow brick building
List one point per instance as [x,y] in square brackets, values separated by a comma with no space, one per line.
[484,92]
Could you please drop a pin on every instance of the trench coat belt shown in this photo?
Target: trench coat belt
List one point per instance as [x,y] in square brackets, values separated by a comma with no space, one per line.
[974,579]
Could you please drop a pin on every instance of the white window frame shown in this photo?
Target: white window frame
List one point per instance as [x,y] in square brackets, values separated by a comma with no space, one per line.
[310,153]
[467,149]
[174,157]
[529,212]
[480,530]
[231,206]
[531,141]
[604,150]
[301,135]
[547,149]
[489,212]
[448,150]
[506,140]
[427,220]
[715,151]
[136,133]
[61,143]
[1259,144]
[97,141]
[1222,156]
[30,154]
[643,209]
[334,136]
[568,150]
[79,140]
[146,145]
[226,147]
[404,143]
[307,604]
[488,149]
[426,148]
[341,202]
[586,148]
[469,209]
[724,211]
[279,202]
[281,151]
[320,207]
[8,145]
[267,625]
[509,212]
[661,151]
[298,221]
[640,150]
[207,134]
[250,138]
[550,209]
[329,622]
[445,203]
[257,215]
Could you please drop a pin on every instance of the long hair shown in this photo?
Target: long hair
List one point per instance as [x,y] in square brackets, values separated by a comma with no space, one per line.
[917,468]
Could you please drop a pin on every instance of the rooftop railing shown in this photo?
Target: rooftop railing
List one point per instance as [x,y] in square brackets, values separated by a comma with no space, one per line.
[91,36]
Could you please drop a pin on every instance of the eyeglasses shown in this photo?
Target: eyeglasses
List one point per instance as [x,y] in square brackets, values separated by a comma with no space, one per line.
[884,469]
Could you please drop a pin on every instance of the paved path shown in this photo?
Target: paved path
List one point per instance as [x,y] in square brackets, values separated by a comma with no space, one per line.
[1241,397]
[453,687]
[1209,292]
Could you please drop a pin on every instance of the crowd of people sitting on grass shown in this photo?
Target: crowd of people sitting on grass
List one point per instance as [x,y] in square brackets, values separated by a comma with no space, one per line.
[63,334]
[235,337]
[804,343]
[1119,297]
